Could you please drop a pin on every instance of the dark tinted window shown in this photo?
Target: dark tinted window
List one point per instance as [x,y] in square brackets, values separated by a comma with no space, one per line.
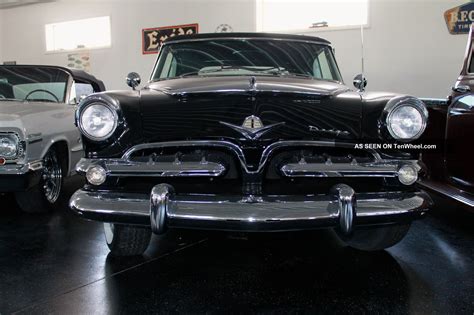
[247,57]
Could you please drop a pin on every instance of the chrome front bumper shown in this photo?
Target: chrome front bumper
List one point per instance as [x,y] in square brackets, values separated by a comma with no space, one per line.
[20,169]
[163,209]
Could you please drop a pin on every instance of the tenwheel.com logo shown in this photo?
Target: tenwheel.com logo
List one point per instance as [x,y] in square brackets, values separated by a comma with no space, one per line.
[395,146]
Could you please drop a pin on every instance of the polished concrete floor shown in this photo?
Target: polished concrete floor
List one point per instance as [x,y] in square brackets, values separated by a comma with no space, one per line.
[58,263]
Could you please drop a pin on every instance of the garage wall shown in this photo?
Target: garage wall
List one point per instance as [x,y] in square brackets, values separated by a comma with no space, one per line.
[22,29]
[407,48]
[1,36]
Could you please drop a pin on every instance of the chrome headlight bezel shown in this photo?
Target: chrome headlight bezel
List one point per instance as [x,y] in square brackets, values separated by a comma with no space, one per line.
[87,104]
[17,143]
[398,103]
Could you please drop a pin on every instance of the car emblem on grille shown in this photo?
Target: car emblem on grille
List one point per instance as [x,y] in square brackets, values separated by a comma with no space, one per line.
[333,132]
[252,122]
[252,128]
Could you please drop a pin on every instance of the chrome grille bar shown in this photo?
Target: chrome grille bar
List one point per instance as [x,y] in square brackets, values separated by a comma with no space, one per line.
[120,168]
[374,169]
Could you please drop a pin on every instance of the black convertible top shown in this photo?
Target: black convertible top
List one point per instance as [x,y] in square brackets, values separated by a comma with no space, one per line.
[247,35]
[78,75]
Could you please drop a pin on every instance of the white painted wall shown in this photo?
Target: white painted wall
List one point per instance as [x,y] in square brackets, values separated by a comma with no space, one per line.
[1,36]
[22,30]
[407,46]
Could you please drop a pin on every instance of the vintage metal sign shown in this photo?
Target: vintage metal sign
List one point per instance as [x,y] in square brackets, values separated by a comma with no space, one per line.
[459,19]
[152,38]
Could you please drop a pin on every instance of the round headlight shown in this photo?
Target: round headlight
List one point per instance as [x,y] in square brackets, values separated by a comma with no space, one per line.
[98,121]
[8,147]
[406,122]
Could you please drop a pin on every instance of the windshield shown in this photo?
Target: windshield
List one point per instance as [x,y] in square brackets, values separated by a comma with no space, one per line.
[35,83]
[222,57]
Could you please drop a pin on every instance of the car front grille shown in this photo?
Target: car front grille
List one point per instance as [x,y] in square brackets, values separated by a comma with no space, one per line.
[297,167]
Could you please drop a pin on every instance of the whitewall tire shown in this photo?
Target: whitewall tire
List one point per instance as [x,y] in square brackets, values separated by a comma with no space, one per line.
[126,240]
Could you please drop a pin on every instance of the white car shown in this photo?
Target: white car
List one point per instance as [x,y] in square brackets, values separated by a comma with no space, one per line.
[39,143]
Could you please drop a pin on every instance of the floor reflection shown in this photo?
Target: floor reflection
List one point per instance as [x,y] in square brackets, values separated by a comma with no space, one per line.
[58,263]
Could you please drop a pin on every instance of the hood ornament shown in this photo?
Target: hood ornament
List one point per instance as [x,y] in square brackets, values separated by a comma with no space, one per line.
[252,128]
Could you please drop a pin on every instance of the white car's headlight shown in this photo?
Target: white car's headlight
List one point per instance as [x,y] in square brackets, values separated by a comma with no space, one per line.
[98,121]
[407,119]
[8,146]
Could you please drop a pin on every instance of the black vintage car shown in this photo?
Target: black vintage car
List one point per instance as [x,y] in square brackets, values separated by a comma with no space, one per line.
[249,132]
[452,126]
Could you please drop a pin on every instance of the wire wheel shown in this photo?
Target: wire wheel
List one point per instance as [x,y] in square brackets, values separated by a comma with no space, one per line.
[52,176]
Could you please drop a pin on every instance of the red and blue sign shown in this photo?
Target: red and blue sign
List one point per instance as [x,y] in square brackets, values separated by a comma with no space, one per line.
[460,18]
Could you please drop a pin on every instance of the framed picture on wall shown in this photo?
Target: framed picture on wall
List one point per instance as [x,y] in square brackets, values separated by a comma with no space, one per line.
[152,38]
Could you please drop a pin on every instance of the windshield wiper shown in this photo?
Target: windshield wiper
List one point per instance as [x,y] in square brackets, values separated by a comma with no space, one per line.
[232,67]
[293,74]
[270,70]
[189,74]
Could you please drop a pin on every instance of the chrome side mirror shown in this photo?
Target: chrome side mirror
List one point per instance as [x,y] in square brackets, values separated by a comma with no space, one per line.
[133,80]
[360,82]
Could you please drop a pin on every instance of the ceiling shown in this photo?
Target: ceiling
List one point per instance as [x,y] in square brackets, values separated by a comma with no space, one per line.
[6,4]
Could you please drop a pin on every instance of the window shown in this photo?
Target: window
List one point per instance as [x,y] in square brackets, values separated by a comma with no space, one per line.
[287,15]
[79,91]
[321,66]
[78,34]
[256,57]
[33,83]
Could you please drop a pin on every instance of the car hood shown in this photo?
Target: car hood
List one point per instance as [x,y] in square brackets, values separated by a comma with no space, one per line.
[244,84]
[29,117]
[209,108]
[13,110]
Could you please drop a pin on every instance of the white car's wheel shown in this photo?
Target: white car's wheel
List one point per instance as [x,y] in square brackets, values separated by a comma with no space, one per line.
[44,196]
[126,240]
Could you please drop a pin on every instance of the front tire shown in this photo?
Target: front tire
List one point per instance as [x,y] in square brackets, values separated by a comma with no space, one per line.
[44,197]
[126,240]
[378,238]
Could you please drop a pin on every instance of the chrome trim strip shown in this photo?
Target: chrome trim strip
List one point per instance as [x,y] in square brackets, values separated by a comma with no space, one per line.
[35,165]
[448,191]
[264,212]
[20,169]
[167,92]
[236,149]
[119,168]
[246,38]
[33,138]
[382,168]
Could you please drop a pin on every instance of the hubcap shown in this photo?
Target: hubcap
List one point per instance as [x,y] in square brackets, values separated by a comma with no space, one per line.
[52,177]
